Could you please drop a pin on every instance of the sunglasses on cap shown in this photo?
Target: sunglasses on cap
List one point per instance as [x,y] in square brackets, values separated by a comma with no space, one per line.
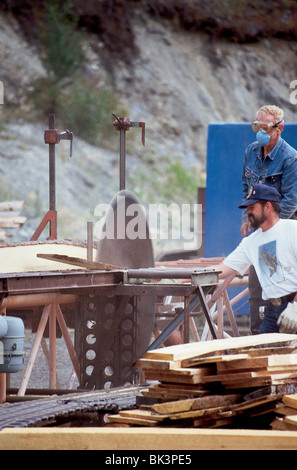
[265,127]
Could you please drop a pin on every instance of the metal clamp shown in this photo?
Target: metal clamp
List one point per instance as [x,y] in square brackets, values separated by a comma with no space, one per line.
[124,124]
[54,136]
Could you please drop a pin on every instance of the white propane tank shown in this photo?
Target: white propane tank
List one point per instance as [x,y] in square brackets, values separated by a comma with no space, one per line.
[3,326]
[11,344]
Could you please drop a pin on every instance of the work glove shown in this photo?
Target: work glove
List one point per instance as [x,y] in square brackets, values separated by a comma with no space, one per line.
[287,321]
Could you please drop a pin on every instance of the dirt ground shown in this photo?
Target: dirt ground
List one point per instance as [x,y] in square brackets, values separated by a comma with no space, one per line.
[66,378]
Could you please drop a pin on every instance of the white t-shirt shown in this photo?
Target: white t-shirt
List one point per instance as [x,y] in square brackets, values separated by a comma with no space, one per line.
[273,253]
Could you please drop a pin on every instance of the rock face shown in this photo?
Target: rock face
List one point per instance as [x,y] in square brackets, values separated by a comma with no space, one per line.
[173,67]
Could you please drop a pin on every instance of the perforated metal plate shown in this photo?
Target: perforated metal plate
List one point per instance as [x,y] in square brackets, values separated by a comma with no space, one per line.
[117,329]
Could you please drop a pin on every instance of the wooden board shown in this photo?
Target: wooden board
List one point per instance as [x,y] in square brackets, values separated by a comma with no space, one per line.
[22,257]
[80,262]
[196,404]
[291,400]
[152,438]
[189,351]
[267,362]
[12,222]
[181,375]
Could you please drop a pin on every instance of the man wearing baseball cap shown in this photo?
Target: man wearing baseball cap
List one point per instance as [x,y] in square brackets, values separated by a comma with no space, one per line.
[272,250]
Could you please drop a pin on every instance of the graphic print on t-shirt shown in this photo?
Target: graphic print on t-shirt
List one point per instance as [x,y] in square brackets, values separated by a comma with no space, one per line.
[270,268]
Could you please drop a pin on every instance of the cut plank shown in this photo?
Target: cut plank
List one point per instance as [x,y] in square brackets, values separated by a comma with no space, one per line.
[83,263]
[286,411]
[171,391]
[196,404]
[280,425]
[260,382]
[143,414]
[158,364]
[256,402]
[131,420]
[186,352]
[181,375]
[290,400]
[291,420]
[12,222]
[249,375]
[7,206]
[268,362]
[211,413]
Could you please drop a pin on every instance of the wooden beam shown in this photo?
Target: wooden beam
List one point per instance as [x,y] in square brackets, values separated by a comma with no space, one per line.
[83,263]
[136,439]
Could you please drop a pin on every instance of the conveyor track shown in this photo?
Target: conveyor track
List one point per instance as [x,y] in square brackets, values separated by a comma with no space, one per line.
[39,411]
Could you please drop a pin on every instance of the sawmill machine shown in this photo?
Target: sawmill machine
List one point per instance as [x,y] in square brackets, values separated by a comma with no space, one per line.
[106,292]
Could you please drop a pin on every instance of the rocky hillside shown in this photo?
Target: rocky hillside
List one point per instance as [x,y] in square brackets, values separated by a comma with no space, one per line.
[175,68]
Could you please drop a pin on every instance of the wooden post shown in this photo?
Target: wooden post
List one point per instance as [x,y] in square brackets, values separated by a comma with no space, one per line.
[34,350]
[52,348]
[2,388]
[67,339]
[3,381]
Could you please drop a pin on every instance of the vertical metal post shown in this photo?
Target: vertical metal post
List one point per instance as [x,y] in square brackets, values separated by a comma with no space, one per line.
[90,241]
[123,125]
[186,320]
[52,168]
[122,159]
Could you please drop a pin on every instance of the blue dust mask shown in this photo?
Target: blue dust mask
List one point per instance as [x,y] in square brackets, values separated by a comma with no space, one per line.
[262,138]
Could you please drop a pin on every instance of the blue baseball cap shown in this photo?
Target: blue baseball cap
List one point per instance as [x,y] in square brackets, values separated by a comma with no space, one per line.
[260,192]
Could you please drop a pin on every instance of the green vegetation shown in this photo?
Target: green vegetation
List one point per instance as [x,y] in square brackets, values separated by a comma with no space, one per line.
[62,51]
[175,184]
[79,103]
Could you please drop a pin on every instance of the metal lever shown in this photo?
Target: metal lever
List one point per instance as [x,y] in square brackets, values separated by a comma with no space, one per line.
[67,135]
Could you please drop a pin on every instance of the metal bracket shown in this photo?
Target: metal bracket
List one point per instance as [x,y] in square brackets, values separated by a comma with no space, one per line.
[54,136]
[51,218]
[124,124]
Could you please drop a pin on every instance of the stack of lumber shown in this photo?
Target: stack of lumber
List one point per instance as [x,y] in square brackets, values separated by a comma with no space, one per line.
[226,382]
[10,217]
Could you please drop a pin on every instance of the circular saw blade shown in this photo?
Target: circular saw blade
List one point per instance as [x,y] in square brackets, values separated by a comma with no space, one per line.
[125,242]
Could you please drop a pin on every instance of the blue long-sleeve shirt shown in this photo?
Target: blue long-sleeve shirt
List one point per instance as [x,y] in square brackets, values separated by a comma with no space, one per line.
[278,169]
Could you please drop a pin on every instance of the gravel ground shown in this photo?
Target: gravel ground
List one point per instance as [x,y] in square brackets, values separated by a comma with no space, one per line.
[40,373]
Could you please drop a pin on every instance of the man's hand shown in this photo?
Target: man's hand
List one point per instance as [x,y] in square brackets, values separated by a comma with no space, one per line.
[287,321]
[245,227]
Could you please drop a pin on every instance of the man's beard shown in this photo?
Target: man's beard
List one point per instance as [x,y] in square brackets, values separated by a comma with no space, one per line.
[257,221]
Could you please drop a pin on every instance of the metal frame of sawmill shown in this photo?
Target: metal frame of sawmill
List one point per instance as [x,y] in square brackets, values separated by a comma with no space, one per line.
[52,290]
